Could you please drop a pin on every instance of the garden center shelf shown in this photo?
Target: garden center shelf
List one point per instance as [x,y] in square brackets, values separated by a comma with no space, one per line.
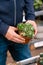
[29,60]
[39,13]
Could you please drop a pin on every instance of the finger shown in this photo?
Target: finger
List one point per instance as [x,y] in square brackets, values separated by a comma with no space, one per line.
[35,27]
[35,32]
[19,37]
[31,22]
[18,40]
[15,29]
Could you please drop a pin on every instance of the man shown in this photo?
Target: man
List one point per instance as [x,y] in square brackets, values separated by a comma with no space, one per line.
[10,15]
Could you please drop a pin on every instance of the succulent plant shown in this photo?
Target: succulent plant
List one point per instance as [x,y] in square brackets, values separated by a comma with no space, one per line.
[26,29]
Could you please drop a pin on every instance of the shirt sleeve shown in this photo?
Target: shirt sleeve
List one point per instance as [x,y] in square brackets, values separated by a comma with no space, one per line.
[29,10]
[3,27]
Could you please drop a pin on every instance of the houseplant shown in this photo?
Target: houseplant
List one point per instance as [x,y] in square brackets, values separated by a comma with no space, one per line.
[26,30]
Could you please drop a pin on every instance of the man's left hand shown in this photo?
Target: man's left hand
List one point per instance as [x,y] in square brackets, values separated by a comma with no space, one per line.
[34,25]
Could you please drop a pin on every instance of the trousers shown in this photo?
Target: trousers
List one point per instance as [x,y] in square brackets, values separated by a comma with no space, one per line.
[18,51]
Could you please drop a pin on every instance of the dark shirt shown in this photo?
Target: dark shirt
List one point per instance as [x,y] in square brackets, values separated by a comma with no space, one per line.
[11,13]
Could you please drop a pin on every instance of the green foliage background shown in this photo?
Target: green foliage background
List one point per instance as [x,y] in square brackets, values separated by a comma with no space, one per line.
[37,4]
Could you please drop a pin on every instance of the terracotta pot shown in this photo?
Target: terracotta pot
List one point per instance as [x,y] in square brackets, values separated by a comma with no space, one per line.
[27,39]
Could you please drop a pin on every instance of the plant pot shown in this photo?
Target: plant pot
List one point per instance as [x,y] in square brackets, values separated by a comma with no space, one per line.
[27,39]
[24,30]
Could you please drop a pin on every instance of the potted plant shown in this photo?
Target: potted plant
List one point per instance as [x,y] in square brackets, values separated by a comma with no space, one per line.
[26,30]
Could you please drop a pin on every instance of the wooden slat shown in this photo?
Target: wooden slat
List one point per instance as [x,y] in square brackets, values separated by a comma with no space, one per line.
[39,13]
[39,36]
[40,29]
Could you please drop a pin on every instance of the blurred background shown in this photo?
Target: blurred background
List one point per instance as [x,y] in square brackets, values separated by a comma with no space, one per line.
[38,7]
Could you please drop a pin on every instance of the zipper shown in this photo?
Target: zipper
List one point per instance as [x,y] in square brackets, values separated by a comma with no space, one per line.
[14,12]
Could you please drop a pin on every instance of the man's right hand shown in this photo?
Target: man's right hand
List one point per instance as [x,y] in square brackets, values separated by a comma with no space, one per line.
[13,36]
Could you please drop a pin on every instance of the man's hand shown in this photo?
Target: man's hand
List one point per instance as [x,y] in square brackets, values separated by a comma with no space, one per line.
[34,25]
[13,36]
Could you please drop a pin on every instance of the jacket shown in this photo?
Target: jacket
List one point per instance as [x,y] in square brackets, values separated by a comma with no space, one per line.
[11,13]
